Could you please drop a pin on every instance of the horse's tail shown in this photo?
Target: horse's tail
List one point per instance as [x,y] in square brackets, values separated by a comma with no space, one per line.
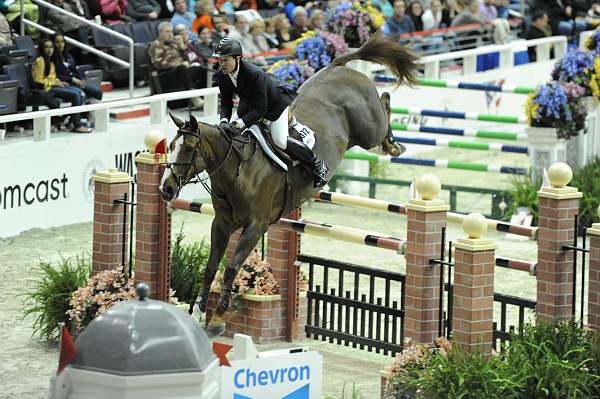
[383,51]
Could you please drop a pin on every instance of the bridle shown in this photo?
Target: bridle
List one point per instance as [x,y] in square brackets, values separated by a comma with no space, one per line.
[199,150]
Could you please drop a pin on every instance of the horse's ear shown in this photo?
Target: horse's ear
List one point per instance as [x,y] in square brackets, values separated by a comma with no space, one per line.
[178,122]
[193,123]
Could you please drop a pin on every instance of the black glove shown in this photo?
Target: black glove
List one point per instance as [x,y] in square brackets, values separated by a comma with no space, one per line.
[231,128]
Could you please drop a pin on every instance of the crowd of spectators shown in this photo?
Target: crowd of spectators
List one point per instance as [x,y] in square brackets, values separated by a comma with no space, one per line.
[189,29]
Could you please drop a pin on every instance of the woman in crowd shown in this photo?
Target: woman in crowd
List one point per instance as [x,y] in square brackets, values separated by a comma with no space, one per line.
[436,17]
[270,33]
[316,21]
[282,28]
[415,12]
[66,70]
[43,73]
[257,28]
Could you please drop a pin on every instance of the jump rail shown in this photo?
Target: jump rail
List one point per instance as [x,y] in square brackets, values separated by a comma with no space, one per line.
[455,84]
[467,145]
[466,132]
[472,116]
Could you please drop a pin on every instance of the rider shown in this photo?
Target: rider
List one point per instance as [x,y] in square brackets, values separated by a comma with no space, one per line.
[262,96]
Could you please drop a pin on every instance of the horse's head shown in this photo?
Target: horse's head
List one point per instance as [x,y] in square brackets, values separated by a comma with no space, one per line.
[188,158]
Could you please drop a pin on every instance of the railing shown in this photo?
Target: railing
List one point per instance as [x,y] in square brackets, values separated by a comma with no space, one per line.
[85,47]
[158,110]
[352,316]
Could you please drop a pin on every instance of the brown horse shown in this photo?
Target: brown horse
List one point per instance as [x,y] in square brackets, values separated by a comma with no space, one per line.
[343,108]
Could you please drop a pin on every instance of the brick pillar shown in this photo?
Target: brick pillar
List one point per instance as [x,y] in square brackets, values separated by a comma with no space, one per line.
[558,206]
[426,218]
[594,279]
[473,302]
[283,247]
[109,226]
[153,227]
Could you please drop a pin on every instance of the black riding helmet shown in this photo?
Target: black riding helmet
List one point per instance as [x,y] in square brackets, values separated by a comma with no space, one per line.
[228,47]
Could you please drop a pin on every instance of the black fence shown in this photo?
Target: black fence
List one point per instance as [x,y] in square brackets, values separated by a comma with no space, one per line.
[343,307]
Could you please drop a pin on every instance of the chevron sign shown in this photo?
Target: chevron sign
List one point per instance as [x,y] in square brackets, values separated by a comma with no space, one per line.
[283,376]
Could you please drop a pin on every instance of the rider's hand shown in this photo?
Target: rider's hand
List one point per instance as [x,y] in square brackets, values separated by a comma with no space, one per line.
[231,128]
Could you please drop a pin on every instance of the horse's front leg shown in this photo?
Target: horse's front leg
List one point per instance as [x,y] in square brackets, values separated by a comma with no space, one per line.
[219,238]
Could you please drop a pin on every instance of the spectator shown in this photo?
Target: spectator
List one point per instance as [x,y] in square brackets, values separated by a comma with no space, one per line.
[220,28]
[399,23]
[143,10]
[204,44]
[182,16]
[257,28]
[167,9]
[43,74]
[316,21]
[300,20]
[66,70]
[488,12]
[502,8]
[538,29]
[415,12]
[469,15]
[269,5]
[270,34]
[561,17]
[113,11]
[60,22]
[436,17]
[241,33]
[12,10]
[231,6]
[204,10]
[282,29]
[6,38]
[190,53]
[167,55]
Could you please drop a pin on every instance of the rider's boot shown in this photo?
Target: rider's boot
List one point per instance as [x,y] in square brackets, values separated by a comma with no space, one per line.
[304,154]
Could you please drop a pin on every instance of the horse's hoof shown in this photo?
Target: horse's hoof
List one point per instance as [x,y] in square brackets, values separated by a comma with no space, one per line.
[396,149]
[215,327]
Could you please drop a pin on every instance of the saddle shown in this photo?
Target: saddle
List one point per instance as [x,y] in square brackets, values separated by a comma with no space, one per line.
[296,173]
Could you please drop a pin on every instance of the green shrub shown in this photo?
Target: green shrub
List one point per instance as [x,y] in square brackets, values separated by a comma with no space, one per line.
[52,293]
[553,360]
[524,194]
[188,262]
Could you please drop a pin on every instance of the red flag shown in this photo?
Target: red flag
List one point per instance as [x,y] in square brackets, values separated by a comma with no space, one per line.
[221,351]
[67,350]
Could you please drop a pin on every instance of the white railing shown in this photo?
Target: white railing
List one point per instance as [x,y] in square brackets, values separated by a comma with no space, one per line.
[91,49]
[507,52]
[158,110]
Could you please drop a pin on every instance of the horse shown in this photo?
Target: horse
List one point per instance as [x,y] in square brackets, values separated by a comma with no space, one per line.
[250,192]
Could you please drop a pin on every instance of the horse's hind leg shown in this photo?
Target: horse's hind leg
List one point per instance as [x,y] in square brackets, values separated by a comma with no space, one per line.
[248,239]
[219,238]
[388,145]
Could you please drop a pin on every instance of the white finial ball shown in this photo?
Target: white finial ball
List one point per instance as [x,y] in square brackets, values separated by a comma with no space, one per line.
[560,174]
[428,186]
[475,225]
[152,138]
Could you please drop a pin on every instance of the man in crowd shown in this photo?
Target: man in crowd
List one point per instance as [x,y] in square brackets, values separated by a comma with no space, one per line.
[182,16]
[220,28]
[398,23]
[300,23]
[539,29]
[143,10]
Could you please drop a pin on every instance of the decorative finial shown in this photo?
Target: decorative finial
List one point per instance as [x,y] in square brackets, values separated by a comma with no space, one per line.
[142,290]
[155,140]
[560,174]
[475,225]
[428,186]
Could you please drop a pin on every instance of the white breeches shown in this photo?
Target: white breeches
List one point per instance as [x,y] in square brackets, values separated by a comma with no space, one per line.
[279,129]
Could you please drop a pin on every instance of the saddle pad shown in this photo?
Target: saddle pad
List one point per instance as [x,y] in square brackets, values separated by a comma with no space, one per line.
[255,130]
[306,133]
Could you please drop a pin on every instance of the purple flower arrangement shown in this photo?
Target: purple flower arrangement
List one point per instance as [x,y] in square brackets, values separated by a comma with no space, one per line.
[557,105]
[575,67]
[352,23]
[314,51]
[593,42]
[294,72]
[336,45]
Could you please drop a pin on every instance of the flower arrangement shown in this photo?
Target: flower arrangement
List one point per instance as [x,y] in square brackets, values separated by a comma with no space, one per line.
[336,45]
[294,72]
[377,18]
[311,47]
[255,277]
[351,22]
[557,105]
[575,67]
[595,79]
[101,291]
[592,43]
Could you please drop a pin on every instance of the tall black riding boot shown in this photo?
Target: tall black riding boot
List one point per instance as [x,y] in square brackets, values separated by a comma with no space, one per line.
[304,154]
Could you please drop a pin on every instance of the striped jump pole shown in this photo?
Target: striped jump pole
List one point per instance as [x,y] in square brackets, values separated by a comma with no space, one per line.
[439,163]
[390,207]
[467,132]
[467,145]
[474,116]
[517,264]
[341,233]
[455,84]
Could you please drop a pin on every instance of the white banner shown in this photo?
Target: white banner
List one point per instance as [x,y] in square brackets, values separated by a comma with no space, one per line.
[46,184]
